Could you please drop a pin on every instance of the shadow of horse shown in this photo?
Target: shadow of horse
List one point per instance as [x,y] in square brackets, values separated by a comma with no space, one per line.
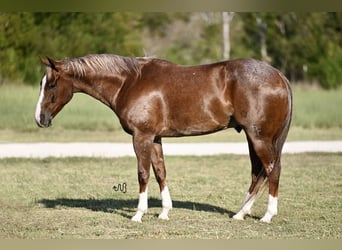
[126,208]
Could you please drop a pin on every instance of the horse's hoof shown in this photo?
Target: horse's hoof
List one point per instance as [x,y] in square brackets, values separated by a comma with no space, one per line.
[136,218]
[265,220]
[163,217]
[238,217]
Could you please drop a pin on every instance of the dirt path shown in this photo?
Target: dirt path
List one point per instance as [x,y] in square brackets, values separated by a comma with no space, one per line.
[42,150]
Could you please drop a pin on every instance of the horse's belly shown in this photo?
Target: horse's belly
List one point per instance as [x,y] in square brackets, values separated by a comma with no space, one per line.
[193,124]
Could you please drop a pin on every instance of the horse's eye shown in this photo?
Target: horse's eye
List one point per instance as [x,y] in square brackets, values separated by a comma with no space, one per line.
[52,85]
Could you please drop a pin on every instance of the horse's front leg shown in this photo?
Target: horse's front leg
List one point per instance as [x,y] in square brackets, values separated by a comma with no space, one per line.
[160,173]
[143,148]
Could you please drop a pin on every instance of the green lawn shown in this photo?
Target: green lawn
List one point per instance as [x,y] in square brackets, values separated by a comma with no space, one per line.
[74,198]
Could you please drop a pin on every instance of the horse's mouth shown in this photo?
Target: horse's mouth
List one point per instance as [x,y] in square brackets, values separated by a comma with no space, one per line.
[44,121]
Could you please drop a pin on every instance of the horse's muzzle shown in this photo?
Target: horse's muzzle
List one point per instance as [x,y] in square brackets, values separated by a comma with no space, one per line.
[44,121]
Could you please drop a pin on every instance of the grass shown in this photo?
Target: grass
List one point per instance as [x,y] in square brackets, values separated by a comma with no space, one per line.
[317,108]
[316,116]
[73,198]
[18,108]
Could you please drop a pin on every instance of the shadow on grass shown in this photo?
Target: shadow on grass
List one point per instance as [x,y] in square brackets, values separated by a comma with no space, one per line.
[126,208]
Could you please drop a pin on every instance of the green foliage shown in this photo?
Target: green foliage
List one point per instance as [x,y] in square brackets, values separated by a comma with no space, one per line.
[328,69]
[156,22]
[26,36]
[305,46]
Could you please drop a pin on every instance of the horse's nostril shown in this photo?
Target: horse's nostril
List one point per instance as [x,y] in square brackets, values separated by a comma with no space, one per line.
[42,118]
[39,124]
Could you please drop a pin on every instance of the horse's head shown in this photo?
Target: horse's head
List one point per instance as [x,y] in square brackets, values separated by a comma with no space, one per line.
[55,91]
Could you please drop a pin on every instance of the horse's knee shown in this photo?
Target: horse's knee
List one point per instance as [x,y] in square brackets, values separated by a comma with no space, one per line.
[143,176]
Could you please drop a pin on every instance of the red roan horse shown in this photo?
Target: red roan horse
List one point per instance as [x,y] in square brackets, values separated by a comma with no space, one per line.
[154,98]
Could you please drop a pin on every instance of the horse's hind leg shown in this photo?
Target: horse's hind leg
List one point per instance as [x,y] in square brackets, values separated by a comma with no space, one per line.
[273,182]
[258,177]
[160,173]
[270,159]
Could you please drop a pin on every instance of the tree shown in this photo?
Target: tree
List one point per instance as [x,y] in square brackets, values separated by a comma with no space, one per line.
[26,36]
[226,19]
[306,46]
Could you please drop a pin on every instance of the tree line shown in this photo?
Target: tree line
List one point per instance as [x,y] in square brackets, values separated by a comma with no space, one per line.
[305,46]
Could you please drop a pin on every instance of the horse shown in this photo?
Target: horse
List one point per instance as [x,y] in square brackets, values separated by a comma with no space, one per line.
[155,98]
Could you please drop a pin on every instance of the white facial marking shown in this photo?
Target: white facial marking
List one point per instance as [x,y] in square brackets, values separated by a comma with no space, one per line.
[142,207]
[40,99]
[246,207]
[166,203]
[272,209]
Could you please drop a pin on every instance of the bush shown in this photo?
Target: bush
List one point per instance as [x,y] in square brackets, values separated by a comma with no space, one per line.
[328,71]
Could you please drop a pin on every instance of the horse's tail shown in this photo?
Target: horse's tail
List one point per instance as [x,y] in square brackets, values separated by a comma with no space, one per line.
[281,136]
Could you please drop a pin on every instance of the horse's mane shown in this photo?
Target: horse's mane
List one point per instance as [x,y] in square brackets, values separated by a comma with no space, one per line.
[101,63]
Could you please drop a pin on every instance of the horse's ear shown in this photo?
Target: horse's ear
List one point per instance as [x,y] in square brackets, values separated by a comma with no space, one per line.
[49,62]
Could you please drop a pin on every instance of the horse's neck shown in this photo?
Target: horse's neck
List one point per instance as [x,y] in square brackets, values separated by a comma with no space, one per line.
[105,90]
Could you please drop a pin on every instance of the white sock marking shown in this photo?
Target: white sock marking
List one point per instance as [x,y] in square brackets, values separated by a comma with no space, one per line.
[40,99]
[246,207]
[166,203]
[142,206]
[272,209]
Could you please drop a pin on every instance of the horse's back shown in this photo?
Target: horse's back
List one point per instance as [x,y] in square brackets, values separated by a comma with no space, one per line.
[250,72]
